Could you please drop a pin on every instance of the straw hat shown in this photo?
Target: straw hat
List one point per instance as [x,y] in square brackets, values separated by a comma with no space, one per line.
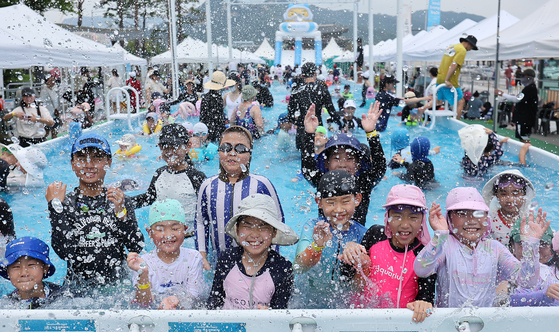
[218,81]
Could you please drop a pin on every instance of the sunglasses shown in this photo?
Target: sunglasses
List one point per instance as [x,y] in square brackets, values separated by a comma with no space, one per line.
[239,148]
[401,207]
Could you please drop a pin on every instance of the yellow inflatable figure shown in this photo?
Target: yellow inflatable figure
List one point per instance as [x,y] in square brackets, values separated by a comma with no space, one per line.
[128,147]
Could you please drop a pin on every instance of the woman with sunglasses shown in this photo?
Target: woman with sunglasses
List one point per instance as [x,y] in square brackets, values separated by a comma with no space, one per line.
[220,195]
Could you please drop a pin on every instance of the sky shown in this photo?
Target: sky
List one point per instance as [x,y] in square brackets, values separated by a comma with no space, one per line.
[518,8]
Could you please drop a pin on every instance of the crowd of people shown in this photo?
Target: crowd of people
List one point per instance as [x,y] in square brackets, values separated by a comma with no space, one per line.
[488,249]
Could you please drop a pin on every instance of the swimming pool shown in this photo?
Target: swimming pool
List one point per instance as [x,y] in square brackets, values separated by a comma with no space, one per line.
[29,206]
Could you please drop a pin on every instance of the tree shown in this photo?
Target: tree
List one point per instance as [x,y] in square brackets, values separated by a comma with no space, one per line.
[41,5]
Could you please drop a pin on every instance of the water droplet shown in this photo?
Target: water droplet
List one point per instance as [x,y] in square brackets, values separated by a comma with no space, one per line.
[57,205]
[25,191]
[243,168]
[47,42]
[533,205]
[520,96]
[402,103]
[548,186]
[405,68]
[19,77]
[15,140]
[479,214]
[478,77]
[339,226]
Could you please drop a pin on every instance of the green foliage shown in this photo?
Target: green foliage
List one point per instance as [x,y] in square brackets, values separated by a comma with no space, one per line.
[42,5]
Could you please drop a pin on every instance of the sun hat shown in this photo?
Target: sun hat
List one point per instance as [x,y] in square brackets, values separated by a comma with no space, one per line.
[473,139]
[127,139]
[200,128]
[248,93]
[218,81]
[349,103]
[340,140]
[174,133]
[27,91]
[92,140]
[366,74]
[472,40]
[33,161]
[466,198]
[493,202]
[336,183]
[399,139]
[26,246]
[132,74]
[547,237]
[409,94]
[168,209]
[407,194]
[264,208]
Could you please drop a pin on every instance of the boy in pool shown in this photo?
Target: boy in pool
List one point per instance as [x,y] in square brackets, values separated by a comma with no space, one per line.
[323,240]
[127,146]
[508,195]
[469,266]
[176,180]
[92,225]
[170,275]
[382,265]
[320,140]
[252,275]
[26,264]
[344,152]
[152,125]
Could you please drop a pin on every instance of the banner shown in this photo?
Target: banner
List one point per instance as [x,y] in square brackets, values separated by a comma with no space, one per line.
[433,14]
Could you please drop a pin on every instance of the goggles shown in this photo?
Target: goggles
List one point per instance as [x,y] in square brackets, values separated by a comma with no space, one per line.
[239,148]
[401,207]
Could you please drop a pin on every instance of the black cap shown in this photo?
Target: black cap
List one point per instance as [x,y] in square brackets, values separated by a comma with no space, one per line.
[336,183]
[174,133]
[27,92]
[308,69]
[359,40]
[387,79]
[472,40]
[529,73]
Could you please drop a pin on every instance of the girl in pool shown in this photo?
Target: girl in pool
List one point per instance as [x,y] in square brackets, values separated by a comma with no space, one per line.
[128,147]
[482,148]
[509,195]
[469,266]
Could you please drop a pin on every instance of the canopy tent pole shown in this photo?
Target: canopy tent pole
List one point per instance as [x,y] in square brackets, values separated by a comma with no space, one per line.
[173,40]
[355,43]
[209,37]
[495,108]
[371,39]
[229,31]
[399,47]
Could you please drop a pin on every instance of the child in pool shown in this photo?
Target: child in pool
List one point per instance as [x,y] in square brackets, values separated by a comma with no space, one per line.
[347,93]
[200,148]
[127,146]
[320,140]
[508,195]
[166,117]
[321,283]
[176,180]
[152,125]
[92,226]
[482,149]
[400,143]
[26,264]
[469,266]
[393,248]
[421,170]
[286,133]
[266,277]
[170,275]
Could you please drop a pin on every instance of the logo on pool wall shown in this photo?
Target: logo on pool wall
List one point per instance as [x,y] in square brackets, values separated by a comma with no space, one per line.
[207,327]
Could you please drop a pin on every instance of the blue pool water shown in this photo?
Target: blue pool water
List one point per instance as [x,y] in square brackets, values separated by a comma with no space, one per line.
[29,206]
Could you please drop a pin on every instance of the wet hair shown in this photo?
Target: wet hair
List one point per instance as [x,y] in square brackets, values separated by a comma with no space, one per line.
[476,94]
[434,71]
[357,154]
[237,129]
[115,72]
[347,86]
[489,147]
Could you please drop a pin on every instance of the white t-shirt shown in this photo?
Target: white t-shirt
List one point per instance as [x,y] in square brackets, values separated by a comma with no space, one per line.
[183,278]
[30,129]
[50,98]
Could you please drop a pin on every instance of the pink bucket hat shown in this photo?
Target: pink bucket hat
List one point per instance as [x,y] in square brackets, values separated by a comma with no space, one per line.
[466,198]
[408,195]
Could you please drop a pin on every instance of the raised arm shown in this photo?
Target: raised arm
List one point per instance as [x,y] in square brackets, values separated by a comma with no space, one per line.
[432,256]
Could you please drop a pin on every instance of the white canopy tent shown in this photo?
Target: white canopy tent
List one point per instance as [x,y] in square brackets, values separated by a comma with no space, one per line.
[129,57]
[28,39]
[265,50]
[434,50]
[535,36]
[192,50]
[332,50]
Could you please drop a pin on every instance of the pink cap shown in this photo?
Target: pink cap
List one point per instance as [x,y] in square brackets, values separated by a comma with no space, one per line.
[466,198]
[408,195]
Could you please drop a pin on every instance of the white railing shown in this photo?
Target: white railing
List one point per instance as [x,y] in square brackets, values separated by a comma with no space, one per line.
[446,112]
[117,115]
[447,320]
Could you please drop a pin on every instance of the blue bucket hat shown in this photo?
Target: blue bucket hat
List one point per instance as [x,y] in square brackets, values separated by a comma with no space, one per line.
[26,246]
[340,140]
[92,140]
[399,139]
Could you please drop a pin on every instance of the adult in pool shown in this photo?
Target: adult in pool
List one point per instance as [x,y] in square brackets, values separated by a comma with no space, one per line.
[211,107]
[219,196]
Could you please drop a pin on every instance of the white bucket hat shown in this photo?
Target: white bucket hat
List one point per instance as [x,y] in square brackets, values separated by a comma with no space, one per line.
[473,139]
[218,81]
[127,139]
[32,160]
[264,208]
[493,202]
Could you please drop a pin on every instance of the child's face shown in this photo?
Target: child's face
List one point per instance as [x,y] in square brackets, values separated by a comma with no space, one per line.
[546,251]
[91,165]
[405,226]
[123,147]
[338,210]
[26,272]
[173,154]
[468,228]
[349,112]
[151,124]
[255,235]
[511,199]
[343,158]
[320,139]
[9,158]
[168,235]
[195,142]
[346,90]
[286,126]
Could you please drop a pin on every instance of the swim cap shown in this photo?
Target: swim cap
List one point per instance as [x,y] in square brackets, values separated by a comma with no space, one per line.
[169,209]
[336,183]
[322,130]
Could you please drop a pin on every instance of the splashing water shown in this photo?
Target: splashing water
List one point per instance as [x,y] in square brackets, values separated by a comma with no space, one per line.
[533,205]
[57,205]
[479,214]
[402,103]
[548,186]
[243,168]
[520,96]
